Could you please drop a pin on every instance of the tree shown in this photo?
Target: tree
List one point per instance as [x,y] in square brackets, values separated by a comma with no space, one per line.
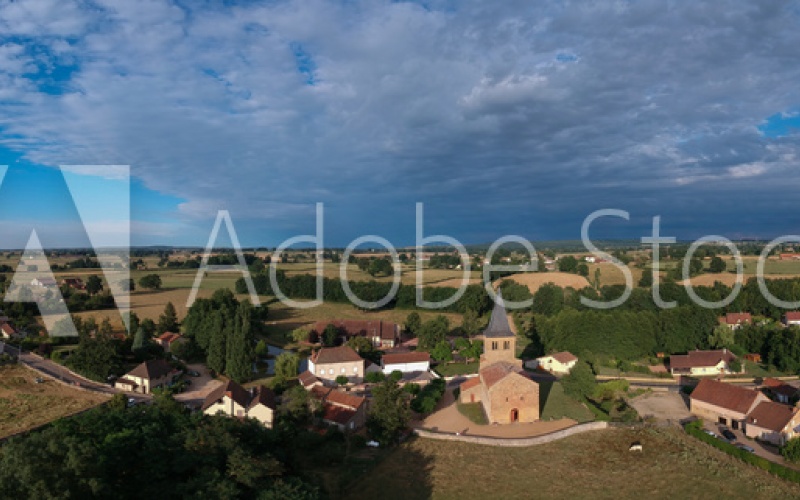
[791,450]
[301,334]
[442,351]
[150,281]
[470,322]
[580,382]
[582,269]
[239,345]
[215,357]
[286,365]
[330,335]
[94,284]
[361,345]
[388,415]
[413,323]
[342,380]
[721,336]
[717,265]
[168,321]
[139,340]
[567,264]
[262,349]
[695,267]
[433,332]
[295,404]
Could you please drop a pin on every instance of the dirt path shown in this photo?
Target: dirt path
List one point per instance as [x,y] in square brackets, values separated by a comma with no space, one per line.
[447,418]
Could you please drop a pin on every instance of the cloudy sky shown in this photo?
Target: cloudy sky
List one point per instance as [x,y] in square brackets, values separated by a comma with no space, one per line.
[501,117]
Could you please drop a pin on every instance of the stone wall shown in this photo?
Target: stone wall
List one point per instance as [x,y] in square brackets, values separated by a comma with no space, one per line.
[510,442]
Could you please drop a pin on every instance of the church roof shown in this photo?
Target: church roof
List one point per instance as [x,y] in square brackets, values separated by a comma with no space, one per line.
[498,324]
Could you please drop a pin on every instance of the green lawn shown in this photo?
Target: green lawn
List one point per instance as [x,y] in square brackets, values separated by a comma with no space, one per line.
[556,404]
[457,369]
[474,412]
[763,370]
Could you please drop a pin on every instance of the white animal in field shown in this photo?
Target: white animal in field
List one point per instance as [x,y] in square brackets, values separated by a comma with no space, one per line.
[635,446]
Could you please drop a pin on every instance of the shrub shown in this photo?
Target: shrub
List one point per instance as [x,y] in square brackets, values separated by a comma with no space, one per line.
[427,399]
[374,377]
[342,380]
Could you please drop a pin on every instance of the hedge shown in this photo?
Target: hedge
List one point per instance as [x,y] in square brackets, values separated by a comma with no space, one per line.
[696,429]
[427,399]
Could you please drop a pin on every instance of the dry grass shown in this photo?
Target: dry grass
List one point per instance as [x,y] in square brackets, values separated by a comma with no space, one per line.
[535,280]
[25,404]
[596,464]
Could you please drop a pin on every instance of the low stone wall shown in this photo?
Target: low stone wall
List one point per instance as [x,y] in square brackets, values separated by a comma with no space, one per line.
[531,441]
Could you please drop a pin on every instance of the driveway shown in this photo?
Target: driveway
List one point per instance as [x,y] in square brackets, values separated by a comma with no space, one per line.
[763,450]
[201,386]
[661,405]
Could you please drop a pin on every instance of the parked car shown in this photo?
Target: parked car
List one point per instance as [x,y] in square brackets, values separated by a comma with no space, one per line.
[730,436]
[193,373]
[710,433]
[131,402]
[746,448]
[373,444]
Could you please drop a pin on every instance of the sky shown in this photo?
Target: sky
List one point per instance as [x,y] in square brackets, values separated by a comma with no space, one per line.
[501,117]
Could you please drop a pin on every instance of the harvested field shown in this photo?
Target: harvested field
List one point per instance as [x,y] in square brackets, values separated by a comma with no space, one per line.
[534,280]
[24,404]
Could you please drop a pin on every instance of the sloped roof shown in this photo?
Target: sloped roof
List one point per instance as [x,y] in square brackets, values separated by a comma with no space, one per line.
[307,378]
[725,395]
[496,372]
[7,328]
[771,415]
[169,337]
[341,354]
[264,396]
[338,414]
[231,389]
[737,318]
[469,384]
[694,359]
[498,324]
[151,369]
[792,315]
[563,357]
[406,357]
[386,330]
[344,399]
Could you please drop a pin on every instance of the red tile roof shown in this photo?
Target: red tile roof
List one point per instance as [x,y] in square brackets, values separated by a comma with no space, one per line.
[469,384]
[8,329]
[792,316]
[694,359]
[725,395]
[264,396]
[338,414]
[738,318]
[386,330]
[342,354]
[307,378]
[169,337]
[772,416]
[406,357]
[496,372]
[344,399]
[231,389]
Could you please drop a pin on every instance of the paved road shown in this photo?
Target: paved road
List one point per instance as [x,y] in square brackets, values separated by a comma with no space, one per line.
[59,372]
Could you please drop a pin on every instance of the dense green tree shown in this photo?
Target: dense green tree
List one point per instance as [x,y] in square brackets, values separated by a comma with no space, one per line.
[168,321]
[717,265]
[413,323]
[388,416]
[330,335]
[94,284]
[442,351]
[548,300]
[139,340]
[568,264]
[791,450]
[287,365]
[215,357]
[433,332]
[721,336]
[239,346]
[580,382]
[262,349]
[150,281]
[301,334]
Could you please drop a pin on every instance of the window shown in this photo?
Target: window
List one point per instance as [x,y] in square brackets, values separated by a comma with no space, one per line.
[322,371]
[343,370]
[506,345]
[355,369]
[330,371]
[494,346]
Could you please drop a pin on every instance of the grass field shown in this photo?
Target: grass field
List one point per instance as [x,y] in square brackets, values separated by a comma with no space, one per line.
[556,404]
[473,411]
[25,404]
[595,464]
[452,369]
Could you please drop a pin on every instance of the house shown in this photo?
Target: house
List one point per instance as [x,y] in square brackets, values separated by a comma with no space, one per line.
[308,380]
[7,331]
[406,362]
[147,376]
[233,400]
[382,334]
[791,318]
[753,356]
[331,362]
[345,411]
[559,362]
[723,403]
[773,422]
[779,390]
[697,362]
[44,282]
[168,339]
[502,387]
[74,283]
[789,256]
[736,320]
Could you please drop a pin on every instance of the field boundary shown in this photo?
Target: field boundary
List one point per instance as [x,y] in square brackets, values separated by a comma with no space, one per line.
[512,442]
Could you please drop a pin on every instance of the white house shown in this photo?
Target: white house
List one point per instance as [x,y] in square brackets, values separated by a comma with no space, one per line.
[44,282]
[329,363]
[791,318]
[558,362]
[702,362]
[233,400]
[406,362]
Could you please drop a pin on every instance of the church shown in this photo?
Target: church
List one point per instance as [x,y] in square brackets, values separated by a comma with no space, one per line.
[503,388]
